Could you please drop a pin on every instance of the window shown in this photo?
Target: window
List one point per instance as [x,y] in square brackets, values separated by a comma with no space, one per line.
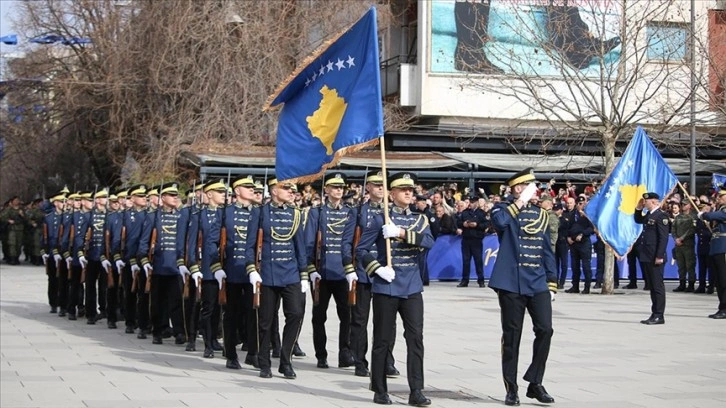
[668,41]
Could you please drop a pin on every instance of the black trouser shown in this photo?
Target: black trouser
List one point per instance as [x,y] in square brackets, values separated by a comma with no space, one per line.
[192,306]
[359,327]
[685,256]
[600,251]
[562,257]
[63,286]
[129,297]
[112,295]
[719,278]
[53,277]
[581,254]
[166,290]
[657,287]
[95,275]
[251,319]
[142,302]
[339,291]
[633,268]
[293,306]
[232,318]
[75,290]
[411,310]
[705,270]
[210,297]
[472,247]
[512,307]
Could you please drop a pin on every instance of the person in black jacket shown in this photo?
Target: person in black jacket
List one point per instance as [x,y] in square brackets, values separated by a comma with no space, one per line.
[442,223]
[652,251]
[473,223]
[578,237]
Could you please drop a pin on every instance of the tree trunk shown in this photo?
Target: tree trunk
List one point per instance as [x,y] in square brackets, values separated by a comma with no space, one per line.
[608,141]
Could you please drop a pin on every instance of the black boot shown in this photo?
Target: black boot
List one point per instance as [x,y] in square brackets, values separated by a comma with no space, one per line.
[690,287]
[472,25]
[681,287]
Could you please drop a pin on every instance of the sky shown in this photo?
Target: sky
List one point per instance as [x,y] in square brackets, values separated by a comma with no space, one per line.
[7,7]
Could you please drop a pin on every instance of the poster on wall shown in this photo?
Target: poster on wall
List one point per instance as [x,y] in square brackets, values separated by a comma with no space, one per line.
[524,37]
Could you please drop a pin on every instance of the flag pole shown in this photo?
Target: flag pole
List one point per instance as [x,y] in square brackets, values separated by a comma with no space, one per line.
[693,204]
[386,215]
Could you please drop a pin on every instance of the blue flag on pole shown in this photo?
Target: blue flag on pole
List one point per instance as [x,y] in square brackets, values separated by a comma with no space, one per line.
[718,181]
[640,170]
[332,104]
[10,39]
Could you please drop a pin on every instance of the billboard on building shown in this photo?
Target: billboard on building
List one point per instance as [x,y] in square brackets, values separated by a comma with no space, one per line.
[524,37]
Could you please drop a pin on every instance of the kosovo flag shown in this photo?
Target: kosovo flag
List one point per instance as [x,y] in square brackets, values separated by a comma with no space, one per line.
[718,181]
[332,104]
[640,170]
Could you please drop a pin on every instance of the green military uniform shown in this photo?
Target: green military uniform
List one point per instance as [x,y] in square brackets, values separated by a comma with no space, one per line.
[33,233]
[553,226]
[14,218]
[684,229]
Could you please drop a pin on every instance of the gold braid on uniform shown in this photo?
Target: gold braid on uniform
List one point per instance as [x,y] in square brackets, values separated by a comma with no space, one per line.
[337,224]
[295,224]
[538,225]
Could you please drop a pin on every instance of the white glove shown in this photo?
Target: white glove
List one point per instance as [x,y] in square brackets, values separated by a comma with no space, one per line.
[184,271]
[45,259]
[391,231]
[148,269]
[315,277]
[304,285]
[83,261]
[351,277]
[135,268]
[386,273]
[197,276]
[219,275]
[69,262]
[120,265]
[254,278]
[106,265]
[552,296]
[57,258]
[528,192]
[700,213]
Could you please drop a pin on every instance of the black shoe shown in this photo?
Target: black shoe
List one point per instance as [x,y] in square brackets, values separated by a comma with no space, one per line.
[538,392]
[653,320]
[233,364]
[709,290]
[345,359]
[362,372]
[721,314]
[391,371]
[71,316]
[323,363]
[265,373]
[382,398]
[460,285]
[53,310]
[101,316]
[244,347]
[287,371]
[141,335]
[690,288]
[630,286]
[417,399]
[560,286]
[512,399]
[111,325]
[616,285]
[167,333]
[276,353]
[297,351]
[62,313]
[252,360]
[208,353]
[574,289]
[191,346]
[156,340]
[482,285]
[180,339]
[646,287]
[586,290]
[91,320]
[129,330]
[700,289]
[597,286]
[216,346]
[680,288]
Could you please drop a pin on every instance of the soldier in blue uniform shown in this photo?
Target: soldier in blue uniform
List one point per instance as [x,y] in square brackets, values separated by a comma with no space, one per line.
[166,285]
[112,236]
[191,303]
[329,243]
[93,254]
[524,277]
[282,273]
[76,237]
[718,251]
[578,236]
[397,288]
[361,310]
[652,245]
[703,246]
[239,309]
[73,205]
[50,249]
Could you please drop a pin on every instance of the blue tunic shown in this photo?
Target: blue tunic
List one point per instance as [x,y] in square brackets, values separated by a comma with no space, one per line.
[168,248]
[51,242]
[237,222]
[365,216]
[718,237]
[208,221]
[335,251]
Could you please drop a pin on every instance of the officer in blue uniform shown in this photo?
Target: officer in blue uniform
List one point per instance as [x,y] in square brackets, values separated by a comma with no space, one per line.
[524,274]
[282,271]
[112,234]
[703,246]
[329,243]
[239,291]
[166,285]
[652,245]
[91,255]
[360,312]
[578,236]
[397,287]
[192,246]
[718,251]
[473,223]
[73,207]
[50,249]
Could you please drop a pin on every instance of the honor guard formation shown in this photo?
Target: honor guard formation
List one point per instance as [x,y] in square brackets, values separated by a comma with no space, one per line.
[222,264]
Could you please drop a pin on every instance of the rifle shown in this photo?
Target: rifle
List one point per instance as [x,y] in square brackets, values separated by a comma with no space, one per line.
[86,245]
[185,292]
[60,234]
[258,262]
[199,256]
[152,247]
[222,297]
[256,296]
[45,240]
[122,246]
[109,270]
[352,294]
[318,254]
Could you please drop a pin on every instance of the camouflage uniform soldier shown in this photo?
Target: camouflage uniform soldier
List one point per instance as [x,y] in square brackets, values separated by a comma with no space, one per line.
[35,218]
[14,217]
[683,232]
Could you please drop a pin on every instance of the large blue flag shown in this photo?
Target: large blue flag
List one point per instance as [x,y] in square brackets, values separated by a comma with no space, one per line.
[718,181]
[640,170]
[332,104]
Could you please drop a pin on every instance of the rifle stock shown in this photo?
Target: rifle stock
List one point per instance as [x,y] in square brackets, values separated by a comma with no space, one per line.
[152,247]
[316,293]
[109,271]
[199,290]
[256,296]
[57,263]
[222,298]
[134,282]
[185,293]
[258,252]
[45,240]
[352,296]
[86,245]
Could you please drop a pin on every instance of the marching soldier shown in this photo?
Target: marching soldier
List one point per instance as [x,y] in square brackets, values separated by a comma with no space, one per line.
[192,245]
[652,251]
[112,236]
[705,270]
[143,314]
[282,272]
[75,241]
[397,287]
[50,249]
[524,277]
[92,257]
[683,231]
[578,236]
[718,251]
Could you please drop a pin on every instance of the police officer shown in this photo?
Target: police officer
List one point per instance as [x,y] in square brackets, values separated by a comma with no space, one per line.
[705,271]
[473,223]
[683,231]
[50,248]
[562,251]
[718,251]
[578,236]
[329,242]
[282,272]
[524,277]
[397,287]
[652,251]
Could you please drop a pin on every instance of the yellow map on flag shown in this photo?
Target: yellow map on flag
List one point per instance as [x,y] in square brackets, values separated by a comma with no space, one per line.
[325,121]
[630,195]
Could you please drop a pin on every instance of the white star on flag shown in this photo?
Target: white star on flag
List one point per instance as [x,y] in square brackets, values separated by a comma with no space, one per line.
[350,61]
[340,64]
[322,70]
[330,65]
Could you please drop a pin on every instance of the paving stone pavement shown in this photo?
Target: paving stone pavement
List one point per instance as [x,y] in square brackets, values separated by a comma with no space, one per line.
[601,356]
